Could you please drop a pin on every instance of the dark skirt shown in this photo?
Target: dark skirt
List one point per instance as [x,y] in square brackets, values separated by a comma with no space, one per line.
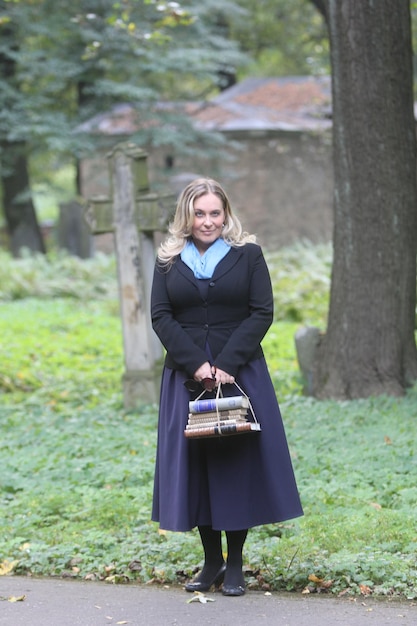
[231,482]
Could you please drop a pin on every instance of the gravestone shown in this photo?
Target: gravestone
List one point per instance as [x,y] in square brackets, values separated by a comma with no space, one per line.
[307,339]
[133,214]
[73,233]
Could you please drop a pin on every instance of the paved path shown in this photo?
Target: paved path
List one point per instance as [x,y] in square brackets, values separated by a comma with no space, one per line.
[57,602]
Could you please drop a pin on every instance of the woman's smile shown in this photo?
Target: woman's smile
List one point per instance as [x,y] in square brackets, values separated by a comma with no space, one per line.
[208,223]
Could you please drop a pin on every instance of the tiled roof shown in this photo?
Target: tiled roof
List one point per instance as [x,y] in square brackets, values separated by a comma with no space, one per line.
[286,103]
[290,103]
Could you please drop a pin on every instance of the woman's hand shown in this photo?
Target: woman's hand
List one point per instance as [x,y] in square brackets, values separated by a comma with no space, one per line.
[223,377]
[211,371]
[204,371]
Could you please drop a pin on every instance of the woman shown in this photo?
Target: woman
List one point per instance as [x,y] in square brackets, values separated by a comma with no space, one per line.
[211,306]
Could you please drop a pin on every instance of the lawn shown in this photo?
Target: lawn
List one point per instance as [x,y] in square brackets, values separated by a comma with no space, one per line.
[77,469]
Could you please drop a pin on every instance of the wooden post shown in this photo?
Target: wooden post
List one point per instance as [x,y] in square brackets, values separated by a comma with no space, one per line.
[134,214]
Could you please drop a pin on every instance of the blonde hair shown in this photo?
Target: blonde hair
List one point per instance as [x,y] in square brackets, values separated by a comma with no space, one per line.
[180,228]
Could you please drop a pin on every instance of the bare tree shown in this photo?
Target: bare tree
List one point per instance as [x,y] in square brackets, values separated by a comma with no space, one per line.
[369,347]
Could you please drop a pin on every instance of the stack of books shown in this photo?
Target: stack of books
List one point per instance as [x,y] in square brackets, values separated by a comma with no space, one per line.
[219,416]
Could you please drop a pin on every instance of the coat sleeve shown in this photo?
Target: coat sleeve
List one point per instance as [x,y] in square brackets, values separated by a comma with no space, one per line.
[246,338]
[173,337]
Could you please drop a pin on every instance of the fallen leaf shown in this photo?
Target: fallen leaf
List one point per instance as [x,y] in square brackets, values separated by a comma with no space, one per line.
[200,597]
[320,582]
[123,622]
[388,441]
[7,566]
[315,579]
[117,579]
[376,506]
[365,590]
[16,598]
[135,566]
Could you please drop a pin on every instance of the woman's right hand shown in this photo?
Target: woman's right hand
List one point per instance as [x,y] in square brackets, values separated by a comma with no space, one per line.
[204,371]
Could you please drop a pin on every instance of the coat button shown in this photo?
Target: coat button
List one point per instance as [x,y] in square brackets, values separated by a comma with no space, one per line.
[212,284]
[205,326]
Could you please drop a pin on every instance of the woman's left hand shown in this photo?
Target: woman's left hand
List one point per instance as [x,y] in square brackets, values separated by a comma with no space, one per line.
[223,377]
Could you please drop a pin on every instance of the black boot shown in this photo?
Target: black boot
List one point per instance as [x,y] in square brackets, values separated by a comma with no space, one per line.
[234,582]
[214,565]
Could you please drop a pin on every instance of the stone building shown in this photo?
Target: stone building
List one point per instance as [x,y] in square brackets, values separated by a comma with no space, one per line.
[275,163]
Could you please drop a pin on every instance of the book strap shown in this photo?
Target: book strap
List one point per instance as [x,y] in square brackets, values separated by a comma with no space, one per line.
[249,402]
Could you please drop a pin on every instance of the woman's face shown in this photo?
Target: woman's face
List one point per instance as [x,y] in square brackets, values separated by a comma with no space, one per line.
[208,222]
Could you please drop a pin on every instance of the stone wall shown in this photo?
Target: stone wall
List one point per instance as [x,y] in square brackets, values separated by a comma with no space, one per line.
[279,183]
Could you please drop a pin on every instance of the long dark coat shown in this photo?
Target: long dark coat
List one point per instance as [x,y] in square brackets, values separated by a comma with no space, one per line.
[235,482]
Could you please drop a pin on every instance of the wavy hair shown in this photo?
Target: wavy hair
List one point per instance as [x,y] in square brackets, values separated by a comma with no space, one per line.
[180,228]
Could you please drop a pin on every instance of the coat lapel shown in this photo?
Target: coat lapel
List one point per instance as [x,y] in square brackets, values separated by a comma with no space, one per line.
[228,262]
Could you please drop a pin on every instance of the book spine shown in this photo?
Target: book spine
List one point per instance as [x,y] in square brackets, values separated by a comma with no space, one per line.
[229,413]
[228,429]
[212,404]
[211,423]
[215,417]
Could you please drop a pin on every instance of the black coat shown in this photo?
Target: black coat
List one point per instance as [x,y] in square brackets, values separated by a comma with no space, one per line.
[232,319]
[228,483]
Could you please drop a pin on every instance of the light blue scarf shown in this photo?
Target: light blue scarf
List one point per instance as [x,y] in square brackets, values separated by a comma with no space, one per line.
[204,265]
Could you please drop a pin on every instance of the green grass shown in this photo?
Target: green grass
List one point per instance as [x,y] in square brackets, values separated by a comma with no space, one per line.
[58,351]
[77,469]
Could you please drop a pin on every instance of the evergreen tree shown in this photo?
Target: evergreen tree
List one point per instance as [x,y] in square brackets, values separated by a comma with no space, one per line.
[62,63]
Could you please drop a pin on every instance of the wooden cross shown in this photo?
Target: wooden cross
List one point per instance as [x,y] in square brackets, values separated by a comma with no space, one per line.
[134,214]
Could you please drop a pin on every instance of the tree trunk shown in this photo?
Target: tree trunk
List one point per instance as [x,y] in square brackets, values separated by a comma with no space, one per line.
[22,224]
[369,347]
